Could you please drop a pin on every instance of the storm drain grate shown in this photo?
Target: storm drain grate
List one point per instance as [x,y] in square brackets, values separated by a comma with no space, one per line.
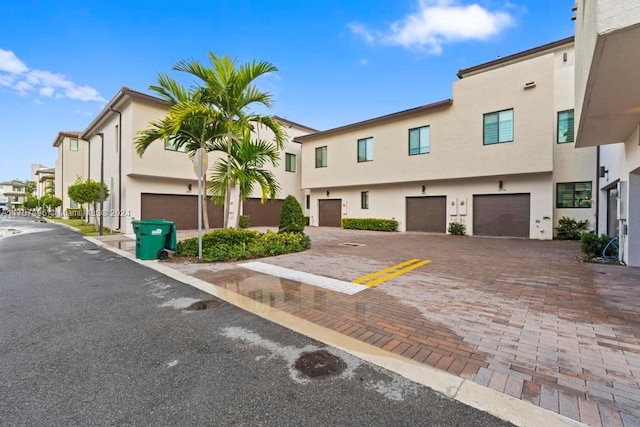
[204,305]
[351,244]
[318,363]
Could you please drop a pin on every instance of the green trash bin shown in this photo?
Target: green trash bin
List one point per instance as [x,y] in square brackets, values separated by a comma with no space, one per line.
[153,236]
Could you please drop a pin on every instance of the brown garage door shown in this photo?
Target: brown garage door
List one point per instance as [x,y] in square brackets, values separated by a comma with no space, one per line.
[427,214]
[501,215]
[330,213]
[181,209]
[262,215]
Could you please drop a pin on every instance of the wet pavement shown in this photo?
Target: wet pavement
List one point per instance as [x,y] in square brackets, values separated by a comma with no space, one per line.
[522,317]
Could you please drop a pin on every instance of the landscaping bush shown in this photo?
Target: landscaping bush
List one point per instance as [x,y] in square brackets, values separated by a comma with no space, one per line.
[75,213]
[570,229]
[244,222]
[236,244]
[593,245]
[291,216]
[375,224]
[457,228]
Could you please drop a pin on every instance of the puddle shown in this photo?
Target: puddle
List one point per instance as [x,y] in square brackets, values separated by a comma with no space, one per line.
[4,232]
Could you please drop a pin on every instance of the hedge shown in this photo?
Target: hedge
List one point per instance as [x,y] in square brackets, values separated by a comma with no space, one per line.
[375,224]
[237,244]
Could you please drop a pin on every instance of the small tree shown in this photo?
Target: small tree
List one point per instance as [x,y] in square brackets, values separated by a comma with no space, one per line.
[49,203]
[30,202]
[87,192]
[29,187]
[291,216]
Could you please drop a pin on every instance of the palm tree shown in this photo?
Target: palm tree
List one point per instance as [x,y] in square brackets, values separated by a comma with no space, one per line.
[230,90]
[245,169]
[189,125]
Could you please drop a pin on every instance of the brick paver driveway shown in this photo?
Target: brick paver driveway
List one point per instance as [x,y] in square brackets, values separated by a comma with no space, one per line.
[519,316]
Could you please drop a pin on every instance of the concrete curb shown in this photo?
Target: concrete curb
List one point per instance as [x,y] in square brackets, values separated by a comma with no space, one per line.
[508,408]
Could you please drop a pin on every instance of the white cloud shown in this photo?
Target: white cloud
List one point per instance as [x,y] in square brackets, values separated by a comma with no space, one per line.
[362,31]
[14,73]
[47,91]
[437,22]
[10,63]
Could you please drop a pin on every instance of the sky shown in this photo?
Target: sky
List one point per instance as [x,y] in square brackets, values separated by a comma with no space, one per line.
[338,62]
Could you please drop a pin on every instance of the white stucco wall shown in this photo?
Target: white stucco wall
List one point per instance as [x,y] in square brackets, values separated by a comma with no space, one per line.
[389,201]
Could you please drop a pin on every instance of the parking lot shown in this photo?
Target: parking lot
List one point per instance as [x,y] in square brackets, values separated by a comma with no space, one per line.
[522,317]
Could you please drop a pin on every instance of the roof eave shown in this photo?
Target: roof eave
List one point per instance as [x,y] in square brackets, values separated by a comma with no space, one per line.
[377,120]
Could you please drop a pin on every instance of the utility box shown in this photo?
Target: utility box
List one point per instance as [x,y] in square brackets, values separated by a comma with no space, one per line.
[153,237]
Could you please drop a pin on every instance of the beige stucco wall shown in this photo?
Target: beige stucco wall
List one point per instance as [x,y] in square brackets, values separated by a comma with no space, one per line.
[159,170]
[457,149]
[70,165]
[389,201]
[570,164]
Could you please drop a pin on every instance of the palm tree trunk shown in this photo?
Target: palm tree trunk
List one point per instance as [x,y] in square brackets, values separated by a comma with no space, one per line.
[205,209]
[227,196]
[239,208]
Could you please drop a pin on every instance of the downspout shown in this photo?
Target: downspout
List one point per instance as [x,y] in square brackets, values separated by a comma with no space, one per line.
[597,192]
[119,166]
[89,160]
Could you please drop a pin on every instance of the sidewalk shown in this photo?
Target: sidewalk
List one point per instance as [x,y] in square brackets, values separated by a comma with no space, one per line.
[520,317]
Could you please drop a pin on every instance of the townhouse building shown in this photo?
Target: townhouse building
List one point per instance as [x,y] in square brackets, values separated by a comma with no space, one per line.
[162,183]
[44,178]
[11,195]
[499,156]
[607,103]
[72,163]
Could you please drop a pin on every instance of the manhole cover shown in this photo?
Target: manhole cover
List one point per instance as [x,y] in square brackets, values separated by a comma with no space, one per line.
[351,244]
[318,363]
[204,305]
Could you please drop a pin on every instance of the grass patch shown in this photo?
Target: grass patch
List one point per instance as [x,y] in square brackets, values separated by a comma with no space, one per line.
[82,227]
[237,244]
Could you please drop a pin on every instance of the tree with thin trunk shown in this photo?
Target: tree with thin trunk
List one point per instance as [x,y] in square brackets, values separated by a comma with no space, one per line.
[249,164]
[230,89]
[189,125]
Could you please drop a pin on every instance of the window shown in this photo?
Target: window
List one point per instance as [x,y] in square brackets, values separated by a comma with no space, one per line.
[573,195]
[171,146]
[308,201]
[365,150]
[419,140]
[498,127]
[73,144]
[321,157]
[364,200]
[565,126]
[290,162]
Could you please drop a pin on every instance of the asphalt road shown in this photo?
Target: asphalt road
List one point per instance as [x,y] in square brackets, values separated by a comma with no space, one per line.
[90,338]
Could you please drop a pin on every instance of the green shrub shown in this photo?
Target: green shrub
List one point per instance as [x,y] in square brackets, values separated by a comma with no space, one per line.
[593,245]
[291,216]
[375,224]
[244,222]
[570,229]
[236,244]
[457,228]
[307,220]
[75,213]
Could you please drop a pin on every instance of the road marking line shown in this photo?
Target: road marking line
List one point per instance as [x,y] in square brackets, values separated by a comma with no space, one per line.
[348,288]
[389,273]
[397,273]
[384,271]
